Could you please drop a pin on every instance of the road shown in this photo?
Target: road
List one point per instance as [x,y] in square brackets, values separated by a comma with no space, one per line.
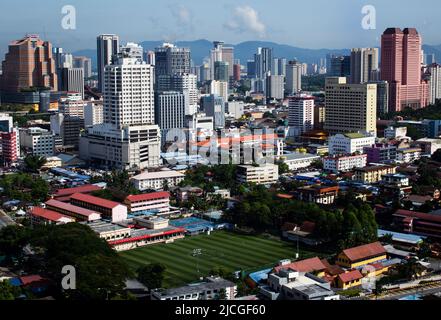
[5,220]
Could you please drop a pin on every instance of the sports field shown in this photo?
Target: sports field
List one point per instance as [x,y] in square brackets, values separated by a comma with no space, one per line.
[231,251]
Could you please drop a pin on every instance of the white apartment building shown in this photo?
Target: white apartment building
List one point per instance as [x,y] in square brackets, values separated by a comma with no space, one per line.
[158,202]
[93,113]
[219,88]
[293,83]
[129,148]
[263,174]
[157,180]
[37,141]
[349,143]
[235,109]
[344,163]
[129,93]
[301,114]
[72,105]
[408,155]
[187,82]
[299,160]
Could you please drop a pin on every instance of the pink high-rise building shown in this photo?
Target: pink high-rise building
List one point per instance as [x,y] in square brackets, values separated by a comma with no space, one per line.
[401,67]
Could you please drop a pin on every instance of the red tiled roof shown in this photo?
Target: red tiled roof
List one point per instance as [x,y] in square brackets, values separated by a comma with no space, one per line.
[95,200]
[365,251]
[47,214]
[419,215]
[26,280]
[71,208]
[148,196]
[308,265]
[70,191]
[332,269]
[350,276]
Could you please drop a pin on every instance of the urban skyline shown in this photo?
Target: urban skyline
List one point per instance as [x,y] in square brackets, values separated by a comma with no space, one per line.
[232,22]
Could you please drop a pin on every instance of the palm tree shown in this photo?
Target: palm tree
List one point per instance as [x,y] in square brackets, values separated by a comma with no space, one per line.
[34,163]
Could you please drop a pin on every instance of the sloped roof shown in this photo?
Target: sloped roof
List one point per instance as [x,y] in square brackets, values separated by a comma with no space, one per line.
[365,251]
[350,276]
[308,265]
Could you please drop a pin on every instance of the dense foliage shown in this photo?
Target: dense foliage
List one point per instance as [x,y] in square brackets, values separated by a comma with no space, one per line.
[24,187]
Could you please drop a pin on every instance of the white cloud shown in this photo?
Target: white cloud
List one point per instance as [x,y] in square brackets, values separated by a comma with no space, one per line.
[182,15]
[246,19]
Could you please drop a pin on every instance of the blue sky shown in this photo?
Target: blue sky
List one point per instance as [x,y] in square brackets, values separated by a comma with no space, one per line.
[309,24]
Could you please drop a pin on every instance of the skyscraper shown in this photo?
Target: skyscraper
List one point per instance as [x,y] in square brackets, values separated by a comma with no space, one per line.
[133,50]
[293,83]
[214,106]
[221,72]
[264,62]
[170,110]
[85,63]
[172,60]
[301,113]
[128,138]
[72,80]
[401,67]
[350,107]
[275,87]
[107,47]
[340,66]
[434,75]
[28,63]
[364,61]
[128,93]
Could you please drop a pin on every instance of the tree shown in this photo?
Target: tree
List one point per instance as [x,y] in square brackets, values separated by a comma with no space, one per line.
[7,291]
[13,239]
[222,294]
[34,163]
[152,275]
[437,156]
[283,167]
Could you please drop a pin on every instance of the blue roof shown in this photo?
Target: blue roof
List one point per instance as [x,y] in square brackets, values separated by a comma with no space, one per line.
[16,282]
[403,237]
[260,275]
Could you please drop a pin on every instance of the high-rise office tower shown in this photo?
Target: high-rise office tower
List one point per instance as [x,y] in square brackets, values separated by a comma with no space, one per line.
[293,83]
[340,66]
[236,72]
[133,50]
[28,63]
[149,57]
[275,87]
[170,110]
[128,93]
[204,72]
[364,61]
[85,63]
[128,138]
[215,56]
[382,97]
[279,67]
[214,106]
[301,113]
[251,69]
[219,88]
[73,80]
[172,60]
[350,107]
[264,62]
[221,72]
[434,76]
[228,57]
[187,83]
[107,48]
[401,67]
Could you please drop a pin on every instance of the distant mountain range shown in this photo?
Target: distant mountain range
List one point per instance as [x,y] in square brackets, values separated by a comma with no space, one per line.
[245,51]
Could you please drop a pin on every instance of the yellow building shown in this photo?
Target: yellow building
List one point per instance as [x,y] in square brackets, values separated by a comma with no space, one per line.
[362,255]
[373,174]
[349,280]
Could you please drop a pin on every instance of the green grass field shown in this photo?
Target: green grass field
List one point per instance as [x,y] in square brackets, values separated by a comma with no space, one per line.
[231,251]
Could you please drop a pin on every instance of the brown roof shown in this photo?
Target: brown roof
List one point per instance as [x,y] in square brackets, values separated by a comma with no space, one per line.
[365,251]
[419,215]
[350,276]
[308,265]
[332,269]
